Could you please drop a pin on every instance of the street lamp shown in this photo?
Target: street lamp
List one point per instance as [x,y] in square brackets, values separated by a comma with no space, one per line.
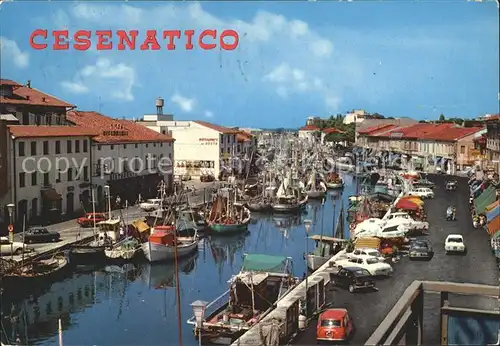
[107,191]
[307,224]
[199,307]
[10,208]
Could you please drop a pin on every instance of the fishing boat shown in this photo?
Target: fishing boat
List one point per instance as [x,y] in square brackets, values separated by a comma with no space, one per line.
[164,243]
[334,181]
[227,217]
[125,249]
[315,188]
[253,293]
[290,197]
[35,272]
[108,234]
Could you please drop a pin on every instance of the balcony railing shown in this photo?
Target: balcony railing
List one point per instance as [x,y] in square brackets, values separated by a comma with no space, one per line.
[404,323]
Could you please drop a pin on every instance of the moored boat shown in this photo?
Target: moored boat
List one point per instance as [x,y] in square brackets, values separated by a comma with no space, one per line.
[334,181]
[262,281]
[227,217]
[123,250]
[107,235]
[163,245]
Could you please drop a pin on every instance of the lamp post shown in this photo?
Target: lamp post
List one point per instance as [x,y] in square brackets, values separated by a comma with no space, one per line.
[10,208]
[199,314]
[107,191]
[307,224]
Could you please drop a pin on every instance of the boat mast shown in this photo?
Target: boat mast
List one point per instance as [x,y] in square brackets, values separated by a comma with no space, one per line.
[177,287]
[93,211]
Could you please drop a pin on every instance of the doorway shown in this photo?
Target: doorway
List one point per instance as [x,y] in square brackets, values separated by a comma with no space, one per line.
[70,203]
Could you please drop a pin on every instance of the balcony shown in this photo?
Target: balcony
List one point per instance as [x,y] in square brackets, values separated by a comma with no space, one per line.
[404,325]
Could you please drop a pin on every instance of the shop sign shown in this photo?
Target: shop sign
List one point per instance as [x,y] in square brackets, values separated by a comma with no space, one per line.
[124,175]
[208,141]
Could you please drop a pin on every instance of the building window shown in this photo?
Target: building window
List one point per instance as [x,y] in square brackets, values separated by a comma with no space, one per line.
[462,149]
[33,148]
[86,173]
[85,145]
[170,156]
[136,145]
[137,163]
[124,146]
[20,148]
[70,174]
[77,146]
[98,147]
[69,147]
[22,179]
[112,147]
[146,145]
[33,178]
[58,147]
[46,179]
[46,147]
[58,176]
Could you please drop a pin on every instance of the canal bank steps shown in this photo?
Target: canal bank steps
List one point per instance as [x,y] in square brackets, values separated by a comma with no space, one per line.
[284,319]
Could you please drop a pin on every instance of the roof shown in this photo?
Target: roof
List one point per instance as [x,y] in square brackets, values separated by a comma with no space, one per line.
[429,131]
[243,136]
[309,128]
[331,130]
[34,131]
[493,117]
[111,130]
[23,95]
[221,129]
[334,313]
[369,130]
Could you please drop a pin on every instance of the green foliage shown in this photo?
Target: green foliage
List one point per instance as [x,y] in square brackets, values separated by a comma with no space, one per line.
[337,121]
[442,118]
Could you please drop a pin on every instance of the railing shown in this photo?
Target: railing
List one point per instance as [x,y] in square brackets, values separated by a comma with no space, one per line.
[213,307]
[405,320]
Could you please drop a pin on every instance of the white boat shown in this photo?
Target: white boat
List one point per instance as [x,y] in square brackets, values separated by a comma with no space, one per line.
[314,188]
[161,246]
[289,197]
[123,250]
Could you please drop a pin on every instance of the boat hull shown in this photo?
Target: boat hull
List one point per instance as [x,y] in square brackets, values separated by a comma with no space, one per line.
[228,229]
[258,207]
[334,185]
[159,252]
[117,254]
[315,194]
[87,253]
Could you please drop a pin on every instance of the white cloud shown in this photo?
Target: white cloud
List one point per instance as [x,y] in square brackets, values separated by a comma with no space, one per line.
[184,103]
[74,87]
[209,114]
[106,78]
[10,50]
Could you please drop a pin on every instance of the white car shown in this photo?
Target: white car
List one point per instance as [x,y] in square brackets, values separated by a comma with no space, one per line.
[422,192]
[6,248]
[366,252]
[150,204]
[372,264]
[454,243]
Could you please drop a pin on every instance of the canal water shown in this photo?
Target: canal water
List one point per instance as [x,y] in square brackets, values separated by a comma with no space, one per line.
[136,305]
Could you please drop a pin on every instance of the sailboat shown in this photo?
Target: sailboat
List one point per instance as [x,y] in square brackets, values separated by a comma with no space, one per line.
[327,246]
[290,197]
[315,188]
[261,201]
[226,217]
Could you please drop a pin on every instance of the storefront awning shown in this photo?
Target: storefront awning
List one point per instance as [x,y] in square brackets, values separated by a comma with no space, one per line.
[494,226]
[493,205]
[51,195]
[485,199]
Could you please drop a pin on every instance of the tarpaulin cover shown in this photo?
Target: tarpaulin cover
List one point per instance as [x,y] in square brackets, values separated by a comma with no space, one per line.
[485,199]
[413,199]
[493,205]
[494,226]
[406,204]
[492,214]
[264,263]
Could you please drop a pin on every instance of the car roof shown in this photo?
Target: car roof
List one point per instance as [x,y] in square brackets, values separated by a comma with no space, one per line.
[353,269]
[454,236]
[336,313]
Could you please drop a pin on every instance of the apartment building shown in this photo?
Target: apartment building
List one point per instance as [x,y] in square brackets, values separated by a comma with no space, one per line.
[128,158]
[45,160]
[200,147]
[493,142]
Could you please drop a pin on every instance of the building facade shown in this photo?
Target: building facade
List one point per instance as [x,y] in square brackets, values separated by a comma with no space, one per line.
[201,147]
[493,143]
[127,158]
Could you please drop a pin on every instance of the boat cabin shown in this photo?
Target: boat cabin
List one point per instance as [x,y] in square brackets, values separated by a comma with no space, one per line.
[163,238]
[110,229]
[328,246]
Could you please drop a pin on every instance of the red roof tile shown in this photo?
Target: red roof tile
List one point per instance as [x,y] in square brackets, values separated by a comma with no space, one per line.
[114,130]
[243,136]
[22,95]
[34,131]
[221,129]
[438,132]
[452,133]
[493,117]
[309,128]
[369,130]
[331,130]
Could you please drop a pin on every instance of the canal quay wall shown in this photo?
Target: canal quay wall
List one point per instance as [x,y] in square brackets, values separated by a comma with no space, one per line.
[284,319]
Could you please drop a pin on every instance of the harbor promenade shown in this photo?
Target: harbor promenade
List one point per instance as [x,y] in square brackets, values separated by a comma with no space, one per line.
[369,309]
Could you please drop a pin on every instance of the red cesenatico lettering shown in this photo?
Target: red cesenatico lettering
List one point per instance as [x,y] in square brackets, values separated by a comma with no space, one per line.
[83,40]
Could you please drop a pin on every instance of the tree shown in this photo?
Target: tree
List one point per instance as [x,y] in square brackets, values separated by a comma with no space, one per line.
[442,118]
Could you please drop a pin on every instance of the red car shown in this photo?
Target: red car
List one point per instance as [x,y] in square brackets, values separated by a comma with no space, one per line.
[88,219]
[334,325]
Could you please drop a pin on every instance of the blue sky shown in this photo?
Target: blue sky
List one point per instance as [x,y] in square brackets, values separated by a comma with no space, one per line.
[294,60]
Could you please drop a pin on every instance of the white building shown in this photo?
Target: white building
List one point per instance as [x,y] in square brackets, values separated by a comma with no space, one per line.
[200,147]
[127,157]
[357,115]
[309,132]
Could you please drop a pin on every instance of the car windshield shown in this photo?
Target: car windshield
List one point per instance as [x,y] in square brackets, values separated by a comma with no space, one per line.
[371,260]
[455,240]
[373,253]
[331,323]
[420,244]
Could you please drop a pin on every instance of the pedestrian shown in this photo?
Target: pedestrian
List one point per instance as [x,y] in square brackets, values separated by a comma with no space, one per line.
[118,201]
[122,233]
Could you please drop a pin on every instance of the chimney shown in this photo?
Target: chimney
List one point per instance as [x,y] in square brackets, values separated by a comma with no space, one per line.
[28,84]
[43,99]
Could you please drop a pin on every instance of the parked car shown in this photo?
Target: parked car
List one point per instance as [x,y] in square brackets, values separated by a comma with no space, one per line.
[454,243]
[422,192]
[150,204]
[334,325]
[371,264]
[40,235]
[420,249]
[15,248]
[364,252]
[424,183]
[353,278]
[88,219]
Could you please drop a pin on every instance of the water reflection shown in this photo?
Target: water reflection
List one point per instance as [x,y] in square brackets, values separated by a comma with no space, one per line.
[162,275]
[226,249]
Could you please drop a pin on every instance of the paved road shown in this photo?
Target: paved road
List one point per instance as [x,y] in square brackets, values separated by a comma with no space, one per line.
[478,266]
